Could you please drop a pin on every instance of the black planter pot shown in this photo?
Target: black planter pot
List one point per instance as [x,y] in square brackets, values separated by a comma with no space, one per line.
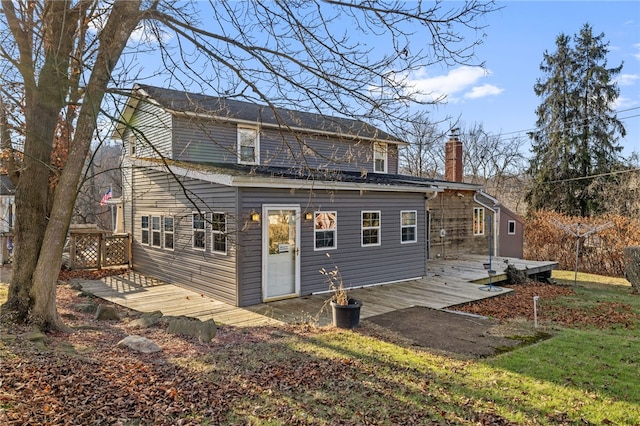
[346,316]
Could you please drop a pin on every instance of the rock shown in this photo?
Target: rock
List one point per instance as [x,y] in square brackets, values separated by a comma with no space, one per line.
[105,312]
[202,330]
[75,286]
[632,266]
[147,320]
[89,308]
[140,344]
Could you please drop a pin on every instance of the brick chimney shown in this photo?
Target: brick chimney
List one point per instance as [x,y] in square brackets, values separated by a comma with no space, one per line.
[453,158]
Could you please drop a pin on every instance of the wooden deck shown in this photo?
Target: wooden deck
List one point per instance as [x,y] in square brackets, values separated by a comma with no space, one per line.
[448,283]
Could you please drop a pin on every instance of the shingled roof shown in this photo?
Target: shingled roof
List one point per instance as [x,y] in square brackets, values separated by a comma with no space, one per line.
[176,101]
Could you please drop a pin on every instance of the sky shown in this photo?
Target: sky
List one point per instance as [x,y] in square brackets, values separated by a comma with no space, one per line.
[501,97]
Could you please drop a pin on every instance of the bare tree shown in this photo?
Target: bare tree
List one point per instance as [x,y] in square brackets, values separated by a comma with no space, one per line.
[334,57]
[424,154]
[496,162]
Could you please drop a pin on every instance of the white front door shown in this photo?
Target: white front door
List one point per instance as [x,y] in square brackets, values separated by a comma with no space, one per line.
[280,248]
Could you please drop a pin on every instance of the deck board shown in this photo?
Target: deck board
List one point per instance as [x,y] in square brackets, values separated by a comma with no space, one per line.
[447,283]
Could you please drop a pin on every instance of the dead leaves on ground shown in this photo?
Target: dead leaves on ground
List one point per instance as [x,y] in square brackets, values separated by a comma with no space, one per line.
[519,303]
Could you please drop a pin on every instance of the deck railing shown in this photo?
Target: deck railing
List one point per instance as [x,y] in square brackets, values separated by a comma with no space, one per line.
[98,249]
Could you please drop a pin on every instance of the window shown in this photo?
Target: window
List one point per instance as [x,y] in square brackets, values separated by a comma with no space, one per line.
[248,145]
[168,232]
[144,228]
[219,233]
[380,157]
[478,221]
[324,230]
[511,227]
[132,144]
[197,225]
[155,231]
[371,228]
[409,226]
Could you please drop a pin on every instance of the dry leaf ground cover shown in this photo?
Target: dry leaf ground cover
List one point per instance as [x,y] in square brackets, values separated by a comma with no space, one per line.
[302,374]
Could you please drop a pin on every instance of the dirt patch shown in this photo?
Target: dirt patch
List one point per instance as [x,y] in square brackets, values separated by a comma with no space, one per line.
[459,333]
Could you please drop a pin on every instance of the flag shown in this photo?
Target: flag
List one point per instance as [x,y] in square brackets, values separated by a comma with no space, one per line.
[108,195]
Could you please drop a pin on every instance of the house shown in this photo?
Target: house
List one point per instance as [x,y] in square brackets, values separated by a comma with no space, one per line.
[464,219]
[7,217]
[244,202]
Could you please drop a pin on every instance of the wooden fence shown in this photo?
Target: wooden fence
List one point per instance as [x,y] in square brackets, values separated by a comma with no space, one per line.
[97,249]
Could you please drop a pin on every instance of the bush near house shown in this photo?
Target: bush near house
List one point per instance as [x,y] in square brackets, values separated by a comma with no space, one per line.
[601,253]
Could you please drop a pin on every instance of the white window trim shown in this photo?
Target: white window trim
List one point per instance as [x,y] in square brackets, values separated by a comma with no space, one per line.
[194,230]
[146,229]
[133,141]
[335,231]
[155,231]
[477,211]
[165,233]
[363,228]
[381,149]
[256,154]
[509,231]
[215,232]
[414,226]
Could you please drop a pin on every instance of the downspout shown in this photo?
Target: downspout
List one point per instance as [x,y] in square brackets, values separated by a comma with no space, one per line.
[427,228]
[495,221]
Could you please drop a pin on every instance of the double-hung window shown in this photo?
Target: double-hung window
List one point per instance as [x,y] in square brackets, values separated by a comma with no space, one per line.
[248,145]
[144,229]
[478,221]
[409,226]
[167,228]
[198,229]
[219,233]
[370,228]
[380,157]
[155,232]
[325,230]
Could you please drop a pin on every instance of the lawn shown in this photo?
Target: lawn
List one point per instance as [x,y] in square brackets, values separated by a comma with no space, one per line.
[584,374]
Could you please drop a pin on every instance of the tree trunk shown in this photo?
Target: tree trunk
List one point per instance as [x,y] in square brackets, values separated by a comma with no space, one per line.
[122,21]
[632,267]
[31,206]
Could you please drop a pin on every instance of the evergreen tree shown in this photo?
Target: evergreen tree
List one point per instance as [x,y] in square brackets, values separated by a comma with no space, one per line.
[578,130]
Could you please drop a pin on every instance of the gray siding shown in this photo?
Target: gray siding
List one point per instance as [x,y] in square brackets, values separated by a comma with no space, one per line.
[158,194]
[151,127]
[205,141]
[391,261]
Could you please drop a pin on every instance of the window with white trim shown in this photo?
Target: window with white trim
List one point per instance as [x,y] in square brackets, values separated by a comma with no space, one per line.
[198,230]
[155,232]
[478,221]
[409,226]
[324,230]
[380,151]
[133,141]
[248,145]
[167,234]
[219,233]
[144,229]
[511,227]
[371,228]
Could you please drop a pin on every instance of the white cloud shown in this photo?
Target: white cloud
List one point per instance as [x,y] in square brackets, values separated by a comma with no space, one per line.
[627,79]
[622,102]
[483,91]
[450,86]
[637,55]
